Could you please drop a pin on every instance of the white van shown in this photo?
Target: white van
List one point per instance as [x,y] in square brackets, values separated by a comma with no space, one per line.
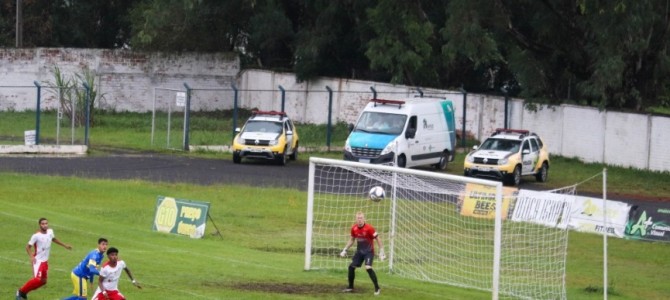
[411,132]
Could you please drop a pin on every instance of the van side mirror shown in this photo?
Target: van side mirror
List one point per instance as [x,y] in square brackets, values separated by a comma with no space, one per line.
[475,147]
[525,151]
[410,133]
[289,132]
[237,130]
[351,127]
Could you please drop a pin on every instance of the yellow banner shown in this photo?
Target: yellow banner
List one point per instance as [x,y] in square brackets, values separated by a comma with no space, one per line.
[480,201]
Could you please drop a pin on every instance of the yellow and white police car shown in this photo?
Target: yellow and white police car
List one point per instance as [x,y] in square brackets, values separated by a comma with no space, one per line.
[268,135]
[507,155]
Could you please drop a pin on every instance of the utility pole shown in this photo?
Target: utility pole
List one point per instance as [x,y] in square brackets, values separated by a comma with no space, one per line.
[19,24]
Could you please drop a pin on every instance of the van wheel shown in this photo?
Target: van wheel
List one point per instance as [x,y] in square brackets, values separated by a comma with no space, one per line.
[444,161]
[402,161]
[543,173]
[236,158]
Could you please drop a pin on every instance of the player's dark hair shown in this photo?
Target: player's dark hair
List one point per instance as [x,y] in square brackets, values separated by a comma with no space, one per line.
[100,240]
[112,250]
[41,219]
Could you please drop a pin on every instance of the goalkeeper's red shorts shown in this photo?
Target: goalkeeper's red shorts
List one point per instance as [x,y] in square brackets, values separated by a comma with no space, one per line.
[111,295]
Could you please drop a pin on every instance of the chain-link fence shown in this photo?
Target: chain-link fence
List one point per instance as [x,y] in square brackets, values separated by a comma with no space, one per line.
[58,116]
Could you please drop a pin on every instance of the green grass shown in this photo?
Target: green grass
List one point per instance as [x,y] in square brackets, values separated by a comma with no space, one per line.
[259,254]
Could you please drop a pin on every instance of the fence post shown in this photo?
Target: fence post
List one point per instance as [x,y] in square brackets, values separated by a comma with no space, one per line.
[87,112]
[465,103]
[504,90]
[329,129]
[187,116]
[37,112]
[283,97]
[234,109]
[374,92]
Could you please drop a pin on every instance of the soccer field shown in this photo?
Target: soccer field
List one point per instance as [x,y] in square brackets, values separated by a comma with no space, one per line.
[259,254]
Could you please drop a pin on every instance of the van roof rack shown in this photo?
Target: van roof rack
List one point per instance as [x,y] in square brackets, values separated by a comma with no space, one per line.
[281,114]
[522,132]
[388,102]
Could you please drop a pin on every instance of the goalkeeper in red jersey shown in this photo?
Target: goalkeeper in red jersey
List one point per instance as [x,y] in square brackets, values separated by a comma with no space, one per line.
[364,235]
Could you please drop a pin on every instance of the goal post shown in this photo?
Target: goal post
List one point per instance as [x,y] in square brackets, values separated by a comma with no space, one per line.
[441,228]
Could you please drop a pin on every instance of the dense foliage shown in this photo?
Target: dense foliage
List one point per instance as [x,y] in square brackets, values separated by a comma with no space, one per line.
[609,54]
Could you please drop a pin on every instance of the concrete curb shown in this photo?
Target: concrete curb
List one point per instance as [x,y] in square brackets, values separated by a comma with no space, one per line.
[227,148]
[44,149]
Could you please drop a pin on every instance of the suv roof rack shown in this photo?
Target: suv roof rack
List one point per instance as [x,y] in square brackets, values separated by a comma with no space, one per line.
[281,114]
[388,102]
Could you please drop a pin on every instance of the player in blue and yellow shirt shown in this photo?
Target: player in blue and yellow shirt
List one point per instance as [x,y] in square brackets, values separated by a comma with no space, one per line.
[86,270]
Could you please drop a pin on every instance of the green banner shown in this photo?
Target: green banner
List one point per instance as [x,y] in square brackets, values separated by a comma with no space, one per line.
[180,216]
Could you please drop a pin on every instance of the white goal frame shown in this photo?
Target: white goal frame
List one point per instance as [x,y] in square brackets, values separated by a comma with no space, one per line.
[498,213]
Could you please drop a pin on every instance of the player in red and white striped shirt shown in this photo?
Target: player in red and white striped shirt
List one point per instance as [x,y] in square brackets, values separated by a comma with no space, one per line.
[38,249]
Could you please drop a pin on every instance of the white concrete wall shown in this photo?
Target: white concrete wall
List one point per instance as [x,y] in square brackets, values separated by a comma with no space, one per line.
[551,135]
[583,133]
[659,144]
[125,78]
[626,139]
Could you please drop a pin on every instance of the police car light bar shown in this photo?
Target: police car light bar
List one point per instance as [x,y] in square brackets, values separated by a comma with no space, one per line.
[270,112]
[504,130]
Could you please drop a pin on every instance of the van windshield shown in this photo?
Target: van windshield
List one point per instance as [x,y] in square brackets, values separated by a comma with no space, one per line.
[377,122]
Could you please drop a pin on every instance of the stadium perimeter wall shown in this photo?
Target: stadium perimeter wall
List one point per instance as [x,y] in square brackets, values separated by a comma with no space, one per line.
[129,80]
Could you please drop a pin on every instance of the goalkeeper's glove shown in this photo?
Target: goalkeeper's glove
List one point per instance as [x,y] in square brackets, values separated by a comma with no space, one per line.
[343,253]
[382,256]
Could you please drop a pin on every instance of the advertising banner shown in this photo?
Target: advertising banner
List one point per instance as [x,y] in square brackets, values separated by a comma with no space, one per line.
[480,201]
[549,209]
[649,221]
[180,216]
[587,216]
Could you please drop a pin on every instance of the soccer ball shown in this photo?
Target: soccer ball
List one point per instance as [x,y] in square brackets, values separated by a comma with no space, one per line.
[377,193]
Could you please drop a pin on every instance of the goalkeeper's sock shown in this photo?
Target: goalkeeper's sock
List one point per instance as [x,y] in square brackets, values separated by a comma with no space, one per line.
[352,276]
[373,276]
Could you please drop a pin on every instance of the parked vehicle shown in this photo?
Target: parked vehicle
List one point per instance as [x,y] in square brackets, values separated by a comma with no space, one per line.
[268,135]
[507,155]
[410,132]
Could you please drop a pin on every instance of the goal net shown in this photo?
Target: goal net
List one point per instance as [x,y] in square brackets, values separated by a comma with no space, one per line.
[442,228]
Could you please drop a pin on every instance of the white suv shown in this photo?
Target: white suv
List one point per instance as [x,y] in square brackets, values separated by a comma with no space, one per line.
[507,155]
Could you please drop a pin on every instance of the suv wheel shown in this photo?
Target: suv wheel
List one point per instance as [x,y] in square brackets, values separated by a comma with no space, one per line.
[543,173]
[294,155]
[282,158]
[236,158]
[514,178]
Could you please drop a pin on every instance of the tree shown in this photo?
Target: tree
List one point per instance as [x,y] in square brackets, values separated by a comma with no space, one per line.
[67,23]
[608,53]
[330,41]
[402,41]
[190,25]
[271,37]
